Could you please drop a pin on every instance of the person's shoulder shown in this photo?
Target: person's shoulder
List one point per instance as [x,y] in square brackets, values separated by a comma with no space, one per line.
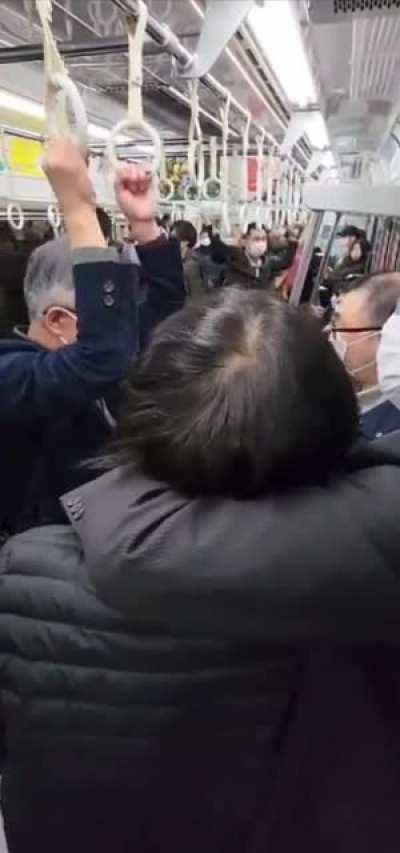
[52,552]
[17,348]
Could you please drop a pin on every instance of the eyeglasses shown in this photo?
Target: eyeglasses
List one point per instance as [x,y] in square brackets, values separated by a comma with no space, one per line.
[331,330]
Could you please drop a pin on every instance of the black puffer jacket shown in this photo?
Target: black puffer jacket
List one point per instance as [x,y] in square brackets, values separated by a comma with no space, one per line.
[151,659]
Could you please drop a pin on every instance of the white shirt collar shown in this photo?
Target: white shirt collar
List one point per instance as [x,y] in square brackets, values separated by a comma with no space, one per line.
[370,399]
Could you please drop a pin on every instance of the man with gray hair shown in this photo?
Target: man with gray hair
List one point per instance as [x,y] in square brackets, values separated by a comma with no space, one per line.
[359,318]
[60,376]
[49,291]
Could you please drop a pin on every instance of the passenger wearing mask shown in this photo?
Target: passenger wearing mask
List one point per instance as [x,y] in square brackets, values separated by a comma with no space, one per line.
[354,260]
[152,655]
[59,377]
[359,317]
[211,272]
[186,235]
[245,263]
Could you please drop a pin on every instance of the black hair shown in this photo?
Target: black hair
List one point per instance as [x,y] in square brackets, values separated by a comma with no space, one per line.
[251,227]
[236,395]
[382,290]
[185,232]
[105,223]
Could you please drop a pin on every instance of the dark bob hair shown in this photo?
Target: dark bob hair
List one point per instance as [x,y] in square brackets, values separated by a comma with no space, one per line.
[235,396]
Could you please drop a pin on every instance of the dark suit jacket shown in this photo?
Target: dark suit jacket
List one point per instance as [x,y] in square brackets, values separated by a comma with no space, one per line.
[51,417]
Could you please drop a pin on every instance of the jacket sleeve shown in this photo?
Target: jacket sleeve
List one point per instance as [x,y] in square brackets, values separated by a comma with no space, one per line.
[322,564]
[162,276]
[221,252]
[36,384]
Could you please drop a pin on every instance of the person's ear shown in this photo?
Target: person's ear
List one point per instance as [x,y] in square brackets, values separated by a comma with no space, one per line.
[53,321]
[61,324]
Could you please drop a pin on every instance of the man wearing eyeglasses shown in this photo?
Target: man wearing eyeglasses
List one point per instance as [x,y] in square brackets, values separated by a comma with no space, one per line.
[356,331]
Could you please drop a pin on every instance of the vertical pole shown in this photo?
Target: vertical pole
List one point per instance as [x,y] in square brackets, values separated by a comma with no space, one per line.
[313,228]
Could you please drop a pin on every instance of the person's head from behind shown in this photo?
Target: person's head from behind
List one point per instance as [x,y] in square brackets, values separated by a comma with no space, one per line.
[359,316]
[236,396]
[255,242]
[50,295]
[277,240]
[186,235]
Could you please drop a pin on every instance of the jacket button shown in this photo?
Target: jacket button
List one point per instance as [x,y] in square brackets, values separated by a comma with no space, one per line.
[109,287]
[109,300]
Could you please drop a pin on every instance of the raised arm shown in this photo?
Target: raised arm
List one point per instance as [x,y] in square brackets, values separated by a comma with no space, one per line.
[39,382]
[162,289]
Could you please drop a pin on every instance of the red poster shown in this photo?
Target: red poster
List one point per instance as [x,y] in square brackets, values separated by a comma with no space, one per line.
[252,174]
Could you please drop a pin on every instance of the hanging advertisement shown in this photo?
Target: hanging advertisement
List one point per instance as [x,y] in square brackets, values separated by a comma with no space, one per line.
[252,168]
[24,156]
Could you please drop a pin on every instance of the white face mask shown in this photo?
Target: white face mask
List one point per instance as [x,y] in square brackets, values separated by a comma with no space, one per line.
[257,249]
[342,348]
[205,240]
[388,360]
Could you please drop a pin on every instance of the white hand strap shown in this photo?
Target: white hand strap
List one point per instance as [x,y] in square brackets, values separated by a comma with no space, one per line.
[53,217]
[135,118]
[260,165]
[65,111]
[165,183]
[225,223]
[245,167]
[213,180]
[15,216]
[195,148]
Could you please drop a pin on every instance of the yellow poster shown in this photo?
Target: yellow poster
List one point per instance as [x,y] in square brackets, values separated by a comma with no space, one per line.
[24,156]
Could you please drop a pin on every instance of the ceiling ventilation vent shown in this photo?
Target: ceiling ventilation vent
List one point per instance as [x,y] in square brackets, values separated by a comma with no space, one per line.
[332,11]
[364,5]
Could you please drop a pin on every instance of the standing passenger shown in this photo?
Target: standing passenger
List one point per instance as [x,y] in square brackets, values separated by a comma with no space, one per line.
[56,376]
[245,263]
[360,315]
[153,655]
[186,235]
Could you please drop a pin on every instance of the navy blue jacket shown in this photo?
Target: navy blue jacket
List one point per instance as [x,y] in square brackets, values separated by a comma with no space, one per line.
[381,420]
[52,417]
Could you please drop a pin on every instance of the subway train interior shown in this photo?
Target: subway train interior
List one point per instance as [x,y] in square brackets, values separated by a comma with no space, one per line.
[268,135]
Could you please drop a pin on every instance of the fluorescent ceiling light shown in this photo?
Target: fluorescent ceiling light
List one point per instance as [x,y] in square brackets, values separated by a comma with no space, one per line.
[277,31]
[328,160]
[28,107]
[19,104]
[316,130]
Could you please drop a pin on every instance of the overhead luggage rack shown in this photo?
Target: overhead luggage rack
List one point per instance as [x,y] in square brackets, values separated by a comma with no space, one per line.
[355,198]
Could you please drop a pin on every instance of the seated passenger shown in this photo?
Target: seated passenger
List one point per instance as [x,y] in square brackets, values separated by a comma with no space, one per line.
[246,262]
[152,655]
[354,260]
[357,325]
[59,378]
[186,235]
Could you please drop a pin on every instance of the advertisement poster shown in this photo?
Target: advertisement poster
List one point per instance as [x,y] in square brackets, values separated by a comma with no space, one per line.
[24,156]
[252,174]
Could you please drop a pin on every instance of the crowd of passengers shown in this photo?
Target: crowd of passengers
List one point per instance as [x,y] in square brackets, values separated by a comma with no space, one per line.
[200,560]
